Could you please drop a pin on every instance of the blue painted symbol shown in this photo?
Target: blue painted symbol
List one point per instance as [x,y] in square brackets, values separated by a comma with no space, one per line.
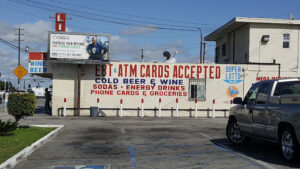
[115,70]
[93,167]
[232,91]
[233,81]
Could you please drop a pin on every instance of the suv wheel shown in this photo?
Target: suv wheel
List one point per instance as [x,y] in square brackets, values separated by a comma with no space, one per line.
[234,134]
[288,145]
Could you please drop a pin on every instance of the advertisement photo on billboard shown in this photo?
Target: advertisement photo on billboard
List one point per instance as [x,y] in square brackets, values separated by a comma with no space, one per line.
[78,46]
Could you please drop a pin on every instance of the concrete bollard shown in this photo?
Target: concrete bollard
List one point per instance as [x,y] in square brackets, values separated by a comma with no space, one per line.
[177,107]
[213,109]
[196,108]
[121,108]
[142,106]
[65,107]
[159,109]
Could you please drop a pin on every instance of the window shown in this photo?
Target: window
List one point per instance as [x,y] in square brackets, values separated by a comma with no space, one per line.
[197,89]
[251,95]
[286,40]
[263,93]
[217,52]
[224,49]
[285,88]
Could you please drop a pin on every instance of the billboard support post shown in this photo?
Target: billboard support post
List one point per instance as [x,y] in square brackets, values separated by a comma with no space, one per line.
[78,89]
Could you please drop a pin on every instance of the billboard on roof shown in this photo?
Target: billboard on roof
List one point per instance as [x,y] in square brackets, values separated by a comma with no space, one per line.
[78,46]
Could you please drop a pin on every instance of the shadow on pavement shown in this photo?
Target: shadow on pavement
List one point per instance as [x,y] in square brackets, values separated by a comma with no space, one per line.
[259,150]
[40,107]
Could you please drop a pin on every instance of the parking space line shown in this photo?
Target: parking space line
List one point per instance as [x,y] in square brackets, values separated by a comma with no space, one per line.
[132,157]
[227,149]
[160,147]
[163,137]
[122,130]
[255,162]
[203,163]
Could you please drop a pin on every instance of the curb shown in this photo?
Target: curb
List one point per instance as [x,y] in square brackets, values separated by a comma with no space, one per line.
[17,158]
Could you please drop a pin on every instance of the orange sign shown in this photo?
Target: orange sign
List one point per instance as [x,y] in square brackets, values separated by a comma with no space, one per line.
[232,91]
[20,72]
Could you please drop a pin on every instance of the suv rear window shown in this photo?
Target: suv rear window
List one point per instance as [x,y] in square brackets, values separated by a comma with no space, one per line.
[286,88]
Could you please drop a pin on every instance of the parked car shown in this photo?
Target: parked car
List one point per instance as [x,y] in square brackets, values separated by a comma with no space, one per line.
[269,111]
[20,91]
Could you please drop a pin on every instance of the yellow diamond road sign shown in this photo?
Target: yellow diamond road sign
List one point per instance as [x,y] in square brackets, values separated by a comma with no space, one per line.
[20,72]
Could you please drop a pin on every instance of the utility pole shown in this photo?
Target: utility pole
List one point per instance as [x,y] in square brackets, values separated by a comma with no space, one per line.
[142,56]
[204,52]
[201,37]
[19,51]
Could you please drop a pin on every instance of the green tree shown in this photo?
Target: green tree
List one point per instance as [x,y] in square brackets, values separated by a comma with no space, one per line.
[9,86]
[21,104]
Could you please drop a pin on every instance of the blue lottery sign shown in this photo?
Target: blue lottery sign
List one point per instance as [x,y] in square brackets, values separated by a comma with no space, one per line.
[233,74]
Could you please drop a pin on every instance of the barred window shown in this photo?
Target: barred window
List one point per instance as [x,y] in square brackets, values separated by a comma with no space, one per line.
[197,89]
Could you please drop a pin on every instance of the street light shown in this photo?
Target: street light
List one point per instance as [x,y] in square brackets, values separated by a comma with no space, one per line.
[200,43]
[27,48]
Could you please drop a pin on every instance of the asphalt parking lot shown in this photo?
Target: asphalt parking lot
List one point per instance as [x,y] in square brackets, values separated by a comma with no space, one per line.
[131,142]
[148,143]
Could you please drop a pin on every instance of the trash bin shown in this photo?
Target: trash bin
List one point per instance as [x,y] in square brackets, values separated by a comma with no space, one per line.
[94,112]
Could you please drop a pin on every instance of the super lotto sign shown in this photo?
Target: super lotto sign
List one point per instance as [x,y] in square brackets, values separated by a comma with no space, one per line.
[20,72]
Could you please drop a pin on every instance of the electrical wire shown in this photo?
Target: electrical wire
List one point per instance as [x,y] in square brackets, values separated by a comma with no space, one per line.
[12,45]
[137,16]
[46,6]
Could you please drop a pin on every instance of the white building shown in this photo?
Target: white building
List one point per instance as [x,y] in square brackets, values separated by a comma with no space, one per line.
[258,40]
[247,50]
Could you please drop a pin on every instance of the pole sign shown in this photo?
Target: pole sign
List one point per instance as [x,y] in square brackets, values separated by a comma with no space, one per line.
[37,62]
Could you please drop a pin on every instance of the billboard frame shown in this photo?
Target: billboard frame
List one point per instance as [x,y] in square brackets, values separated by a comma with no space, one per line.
[77,61]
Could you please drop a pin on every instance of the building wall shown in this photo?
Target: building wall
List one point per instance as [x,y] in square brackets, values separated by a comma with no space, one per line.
[111,86]
[259,52]
[237,46]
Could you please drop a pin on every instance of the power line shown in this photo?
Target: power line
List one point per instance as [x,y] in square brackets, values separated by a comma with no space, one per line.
[137,16]
[45,7]
[12,45]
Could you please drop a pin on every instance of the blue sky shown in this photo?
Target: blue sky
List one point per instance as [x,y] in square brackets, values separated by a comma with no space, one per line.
[127,40]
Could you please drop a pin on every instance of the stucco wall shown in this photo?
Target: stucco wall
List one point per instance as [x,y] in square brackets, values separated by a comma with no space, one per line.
[238,53]
[273,49]
[219,78]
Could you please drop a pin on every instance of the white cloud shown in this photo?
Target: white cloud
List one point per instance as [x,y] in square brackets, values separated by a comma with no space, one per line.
[36,32]
[33,34]
[137,30]
[124,50]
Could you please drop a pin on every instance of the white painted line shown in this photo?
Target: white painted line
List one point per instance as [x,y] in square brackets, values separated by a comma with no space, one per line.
[17,158]
[223,146]
[122,130]
[108,166]
[258,161]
